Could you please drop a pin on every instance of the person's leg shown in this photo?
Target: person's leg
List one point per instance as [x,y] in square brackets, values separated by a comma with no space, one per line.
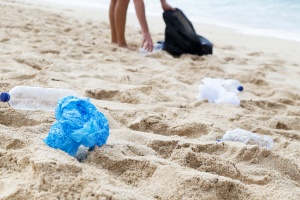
[112,21]
[120,21]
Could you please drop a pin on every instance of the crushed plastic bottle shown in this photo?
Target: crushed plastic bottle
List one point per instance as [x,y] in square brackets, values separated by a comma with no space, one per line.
[248,137]
[232,85]
[218,91]
[35,98]
[156,48]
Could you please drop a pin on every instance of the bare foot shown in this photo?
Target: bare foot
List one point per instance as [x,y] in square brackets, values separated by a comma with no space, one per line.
[131,48]
[123,45]
[127,47]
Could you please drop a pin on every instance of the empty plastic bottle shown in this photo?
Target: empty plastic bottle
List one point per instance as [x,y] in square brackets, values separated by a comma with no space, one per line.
[34,98]
[232,85]
[219,91]
[156,48]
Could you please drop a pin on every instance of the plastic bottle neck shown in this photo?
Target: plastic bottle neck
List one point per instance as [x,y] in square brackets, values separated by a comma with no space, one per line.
[240,88]
[4,97]
[231,85]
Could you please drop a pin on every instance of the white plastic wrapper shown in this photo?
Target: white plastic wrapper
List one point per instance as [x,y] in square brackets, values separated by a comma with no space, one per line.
[220,91]
[248,137]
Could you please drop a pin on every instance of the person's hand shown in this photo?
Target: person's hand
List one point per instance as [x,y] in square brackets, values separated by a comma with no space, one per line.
[165,6]
[147,41]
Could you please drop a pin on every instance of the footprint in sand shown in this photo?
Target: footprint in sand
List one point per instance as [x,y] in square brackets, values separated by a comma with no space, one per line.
[12,143]
[285,123]
[101,94]
[124,160]
[220,159]
[228,47]
[164,148]
[158,124]
[35,64]
[50,51]
[255,54]
[15,119]
[4,40]
[229,59]
[67,30]
[265,106]
[131,96]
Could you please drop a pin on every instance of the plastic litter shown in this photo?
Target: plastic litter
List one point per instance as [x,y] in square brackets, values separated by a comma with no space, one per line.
[248,137]
[34,98]
[157,47]
[220,90]
[78,123]
[81,153]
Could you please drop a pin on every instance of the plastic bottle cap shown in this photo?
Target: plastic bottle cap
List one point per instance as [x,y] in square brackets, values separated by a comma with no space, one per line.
[240,88]
[4,97]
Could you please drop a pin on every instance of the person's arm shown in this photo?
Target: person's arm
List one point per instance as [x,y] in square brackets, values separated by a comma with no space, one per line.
[141,15]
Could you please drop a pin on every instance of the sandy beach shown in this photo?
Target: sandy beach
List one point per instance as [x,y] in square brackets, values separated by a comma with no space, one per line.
[162,142]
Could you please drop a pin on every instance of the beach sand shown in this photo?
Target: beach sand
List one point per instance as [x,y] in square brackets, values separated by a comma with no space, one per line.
[162,142]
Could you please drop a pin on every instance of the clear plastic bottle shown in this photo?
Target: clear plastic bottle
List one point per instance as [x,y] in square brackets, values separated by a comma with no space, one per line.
[35,98]
[156,48]
[232,85]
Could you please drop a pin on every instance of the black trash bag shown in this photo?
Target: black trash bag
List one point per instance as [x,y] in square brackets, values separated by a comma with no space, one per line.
[181,37]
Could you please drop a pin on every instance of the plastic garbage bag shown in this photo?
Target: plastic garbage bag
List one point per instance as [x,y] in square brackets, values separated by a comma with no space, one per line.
[248,137]
[220,90]
[78,123]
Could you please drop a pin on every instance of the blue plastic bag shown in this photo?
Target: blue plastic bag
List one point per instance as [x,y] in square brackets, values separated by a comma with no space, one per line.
[78,123]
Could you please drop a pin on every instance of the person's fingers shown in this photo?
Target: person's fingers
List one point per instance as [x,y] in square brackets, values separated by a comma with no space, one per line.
[147,42]
[149,46]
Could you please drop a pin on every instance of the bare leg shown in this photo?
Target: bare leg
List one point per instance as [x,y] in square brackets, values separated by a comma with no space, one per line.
[112,21]
[120,21]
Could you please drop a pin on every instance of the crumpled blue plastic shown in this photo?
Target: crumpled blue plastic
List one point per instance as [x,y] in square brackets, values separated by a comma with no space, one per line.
[78,123]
